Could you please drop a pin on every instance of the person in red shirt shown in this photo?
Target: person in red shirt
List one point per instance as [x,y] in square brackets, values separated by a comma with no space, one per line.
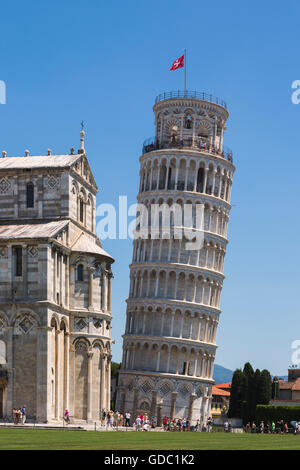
[165,423]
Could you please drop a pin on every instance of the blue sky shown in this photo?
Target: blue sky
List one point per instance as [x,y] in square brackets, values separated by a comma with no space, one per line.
[104,62]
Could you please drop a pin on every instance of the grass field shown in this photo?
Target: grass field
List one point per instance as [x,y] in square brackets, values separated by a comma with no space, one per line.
[33,439]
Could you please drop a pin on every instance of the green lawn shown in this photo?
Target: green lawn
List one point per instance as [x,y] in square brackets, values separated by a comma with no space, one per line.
[56,439]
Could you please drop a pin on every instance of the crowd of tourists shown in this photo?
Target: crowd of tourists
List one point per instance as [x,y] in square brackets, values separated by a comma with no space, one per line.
[143,422]
[280,427]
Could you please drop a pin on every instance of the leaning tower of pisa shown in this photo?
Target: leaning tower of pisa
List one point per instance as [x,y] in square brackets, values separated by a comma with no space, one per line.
[173,307]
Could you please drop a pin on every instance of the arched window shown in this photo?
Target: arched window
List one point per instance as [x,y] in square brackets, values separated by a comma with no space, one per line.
[188,121]
[81,210]
[80,272]
[200,180]
[30,195]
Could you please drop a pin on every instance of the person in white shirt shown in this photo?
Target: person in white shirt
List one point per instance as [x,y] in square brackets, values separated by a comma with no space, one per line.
[127,419]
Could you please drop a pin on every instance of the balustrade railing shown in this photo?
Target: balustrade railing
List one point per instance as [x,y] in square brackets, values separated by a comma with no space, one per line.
[198,95]
[152,144]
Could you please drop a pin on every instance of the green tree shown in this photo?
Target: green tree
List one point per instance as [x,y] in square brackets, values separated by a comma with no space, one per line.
[114,373]
[238,394]
[249,389]
[264,389]
[250,403]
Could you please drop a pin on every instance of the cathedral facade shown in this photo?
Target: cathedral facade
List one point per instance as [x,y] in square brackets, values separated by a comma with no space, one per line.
[55,290]
[173,307]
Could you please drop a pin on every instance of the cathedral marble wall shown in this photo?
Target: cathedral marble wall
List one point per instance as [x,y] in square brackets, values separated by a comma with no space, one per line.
[55,291]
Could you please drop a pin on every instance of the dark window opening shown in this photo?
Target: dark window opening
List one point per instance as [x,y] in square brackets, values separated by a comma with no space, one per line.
[80,272]
[18,260]
[81,210]
[200,180]
[30,195]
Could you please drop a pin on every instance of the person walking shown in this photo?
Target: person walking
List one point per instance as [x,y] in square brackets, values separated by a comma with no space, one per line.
[103,416]
[15,416]
[23,414]
[273,427]
[116,419]
[286,428]
[262,427]
[165,423]
[138,423]
[67,417]
[127,419]
[209,424]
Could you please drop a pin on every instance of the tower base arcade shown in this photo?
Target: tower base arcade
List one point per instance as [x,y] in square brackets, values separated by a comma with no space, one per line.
[162,395]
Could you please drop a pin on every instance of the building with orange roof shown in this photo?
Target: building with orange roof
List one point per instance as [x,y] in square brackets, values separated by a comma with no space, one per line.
[220,399]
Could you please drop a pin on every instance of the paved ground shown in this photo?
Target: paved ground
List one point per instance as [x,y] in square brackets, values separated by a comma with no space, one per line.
[72,427]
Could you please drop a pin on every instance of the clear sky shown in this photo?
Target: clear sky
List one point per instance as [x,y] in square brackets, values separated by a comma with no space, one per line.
[104,62]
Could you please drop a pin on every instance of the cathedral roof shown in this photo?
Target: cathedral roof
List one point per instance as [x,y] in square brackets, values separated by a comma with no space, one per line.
[48,161]
[40,230]
[86,244]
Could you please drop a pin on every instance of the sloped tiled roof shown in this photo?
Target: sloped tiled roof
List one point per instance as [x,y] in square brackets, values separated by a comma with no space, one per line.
[219,392]
[292,385]
[224,386]
[40,230]
[87,245]
[46,161]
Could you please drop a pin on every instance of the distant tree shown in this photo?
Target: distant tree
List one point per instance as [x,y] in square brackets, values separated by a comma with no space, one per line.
[248,369]
[115,367]
[249,406]
[237,394]
[264,389]
[114,373]
[256,385]
[249,389]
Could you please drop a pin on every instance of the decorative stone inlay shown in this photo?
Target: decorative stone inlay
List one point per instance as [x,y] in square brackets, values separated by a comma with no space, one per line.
[32,251]
[97,322]
[146,387]
[184,390]
[4,185]
[2,325]
[80,346]
[24,324]
[80,324]
[164,389]
[52,182]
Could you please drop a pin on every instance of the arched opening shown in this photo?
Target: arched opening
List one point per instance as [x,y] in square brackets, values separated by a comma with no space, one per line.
[80,272]
[200,180]
[188,121]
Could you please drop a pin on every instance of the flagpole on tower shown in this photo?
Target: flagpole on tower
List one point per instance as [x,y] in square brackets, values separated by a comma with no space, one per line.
[184,71]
